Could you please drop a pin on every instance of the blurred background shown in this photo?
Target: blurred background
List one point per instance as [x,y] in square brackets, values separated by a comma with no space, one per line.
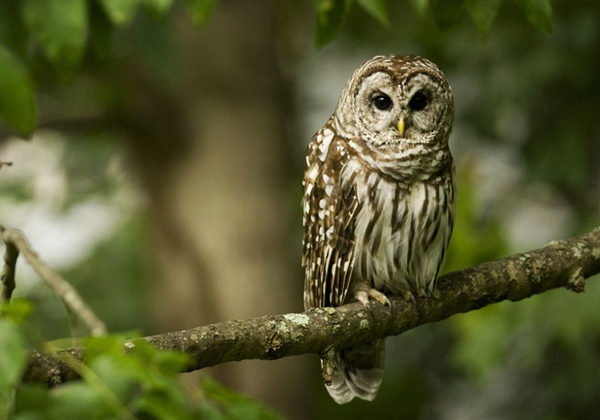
[163,181]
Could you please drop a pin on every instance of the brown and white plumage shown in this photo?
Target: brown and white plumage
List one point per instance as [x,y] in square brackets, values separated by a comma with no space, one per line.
[378,200]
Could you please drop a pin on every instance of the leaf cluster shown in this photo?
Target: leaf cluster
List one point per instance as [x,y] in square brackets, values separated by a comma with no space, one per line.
[46,41]
[119,380]
[331,14]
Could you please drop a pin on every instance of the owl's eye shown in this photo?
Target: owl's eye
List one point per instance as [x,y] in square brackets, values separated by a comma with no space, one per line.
[418,102]
[382,102]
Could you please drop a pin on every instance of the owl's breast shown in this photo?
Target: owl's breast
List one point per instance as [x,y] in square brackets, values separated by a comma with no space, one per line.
[402,231]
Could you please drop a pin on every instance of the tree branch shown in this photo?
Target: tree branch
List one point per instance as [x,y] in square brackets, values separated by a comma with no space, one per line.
[15,241]
[563,263]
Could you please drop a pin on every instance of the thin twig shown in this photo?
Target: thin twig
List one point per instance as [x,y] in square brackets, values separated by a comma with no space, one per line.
[8,271]
[321,329]
[59,286]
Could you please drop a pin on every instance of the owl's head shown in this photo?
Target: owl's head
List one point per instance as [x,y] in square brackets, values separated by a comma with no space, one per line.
[396,99]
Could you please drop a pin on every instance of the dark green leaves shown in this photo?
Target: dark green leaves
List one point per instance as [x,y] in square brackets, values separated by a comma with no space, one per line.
[330,16]
[375,8]
[483,13]
[60,28]
[141,382]
[233,405]
[17,106]
[446,12]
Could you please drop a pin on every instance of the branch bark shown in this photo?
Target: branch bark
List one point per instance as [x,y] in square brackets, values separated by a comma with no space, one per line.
[566,263]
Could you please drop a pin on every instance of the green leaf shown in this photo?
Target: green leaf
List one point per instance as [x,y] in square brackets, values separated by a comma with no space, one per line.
[13,33]
[446,12]
[101,31]
[120,12]
[12,355]
[17,310]
[201,10]
[60,27]
[539,12]
[17,106]
[377,9]
[32,401]
[236,406]
[78,400]
[483,13]
[330,16]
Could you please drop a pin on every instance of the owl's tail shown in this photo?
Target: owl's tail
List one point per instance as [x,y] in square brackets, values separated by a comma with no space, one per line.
[358,372]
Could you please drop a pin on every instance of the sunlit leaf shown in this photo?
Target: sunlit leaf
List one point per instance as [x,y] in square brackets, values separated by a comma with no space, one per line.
[12,355]
[120,11]
[17,106]
[539,12]
[483,13]
[60,27]
[330,15]
[376,8]
[17,310]
[201,10]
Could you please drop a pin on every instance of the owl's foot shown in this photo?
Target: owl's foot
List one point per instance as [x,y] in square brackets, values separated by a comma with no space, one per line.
[363,295]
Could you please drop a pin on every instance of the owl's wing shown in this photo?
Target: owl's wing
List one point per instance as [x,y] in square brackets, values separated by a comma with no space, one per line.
[329,217]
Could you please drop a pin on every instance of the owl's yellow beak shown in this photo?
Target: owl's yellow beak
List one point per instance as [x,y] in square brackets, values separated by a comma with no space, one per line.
[401,126]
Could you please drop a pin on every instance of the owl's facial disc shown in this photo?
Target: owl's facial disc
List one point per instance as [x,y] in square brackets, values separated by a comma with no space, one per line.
[392,109]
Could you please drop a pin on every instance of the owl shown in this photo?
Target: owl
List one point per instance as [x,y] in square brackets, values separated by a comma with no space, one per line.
[378,203]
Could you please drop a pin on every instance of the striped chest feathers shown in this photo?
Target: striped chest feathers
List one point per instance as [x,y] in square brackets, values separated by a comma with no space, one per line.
[402,232]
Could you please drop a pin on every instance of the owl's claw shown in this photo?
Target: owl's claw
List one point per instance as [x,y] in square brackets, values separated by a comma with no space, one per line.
[364,296]
[408,295]
[379,297]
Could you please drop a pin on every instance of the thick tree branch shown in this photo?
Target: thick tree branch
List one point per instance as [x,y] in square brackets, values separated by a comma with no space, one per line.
[563,263]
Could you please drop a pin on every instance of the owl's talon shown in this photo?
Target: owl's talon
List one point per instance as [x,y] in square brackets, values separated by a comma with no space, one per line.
[364,296]
[379,297]
[408,295]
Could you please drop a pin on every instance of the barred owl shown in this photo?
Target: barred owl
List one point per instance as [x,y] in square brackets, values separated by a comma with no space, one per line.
[378,204]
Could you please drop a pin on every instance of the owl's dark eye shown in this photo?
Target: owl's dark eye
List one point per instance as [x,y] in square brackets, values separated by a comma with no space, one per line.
[418,102]
[382,102]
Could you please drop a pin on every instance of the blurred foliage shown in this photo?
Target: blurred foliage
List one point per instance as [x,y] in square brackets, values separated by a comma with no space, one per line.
[142,383]
[57,36]
[113,280]
[331,14]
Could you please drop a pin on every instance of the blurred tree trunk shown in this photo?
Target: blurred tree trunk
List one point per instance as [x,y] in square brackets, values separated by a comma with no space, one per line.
[216,163]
